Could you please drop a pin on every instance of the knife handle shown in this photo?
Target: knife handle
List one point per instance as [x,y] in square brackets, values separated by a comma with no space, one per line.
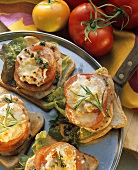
[127,68]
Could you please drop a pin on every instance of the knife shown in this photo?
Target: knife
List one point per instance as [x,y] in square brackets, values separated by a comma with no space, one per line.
[126,70]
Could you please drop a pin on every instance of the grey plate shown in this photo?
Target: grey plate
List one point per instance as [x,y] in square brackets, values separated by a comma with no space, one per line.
[108,148]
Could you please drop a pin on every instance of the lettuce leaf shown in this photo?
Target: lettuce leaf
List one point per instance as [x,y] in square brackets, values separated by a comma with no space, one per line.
[8,55]
[40,141]
[56,99]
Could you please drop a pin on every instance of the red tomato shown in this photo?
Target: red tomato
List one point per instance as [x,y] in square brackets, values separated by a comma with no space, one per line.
[130,7]
[47,53]
[40,156]
[74,3]
[99,41]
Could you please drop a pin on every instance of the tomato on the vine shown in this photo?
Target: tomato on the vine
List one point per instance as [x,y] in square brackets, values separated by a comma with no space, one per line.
[89,31]
[129,7]
[51,15]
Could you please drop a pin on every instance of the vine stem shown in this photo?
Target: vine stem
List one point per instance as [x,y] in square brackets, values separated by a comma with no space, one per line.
[117,12]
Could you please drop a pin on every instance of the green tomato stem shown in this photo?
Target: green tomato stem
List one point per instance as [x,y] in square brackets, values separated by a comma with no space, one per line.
[105,20]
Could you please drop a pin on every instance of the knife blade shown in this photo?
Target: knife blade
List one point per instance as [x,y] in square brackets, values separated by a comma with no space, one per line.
[127,69]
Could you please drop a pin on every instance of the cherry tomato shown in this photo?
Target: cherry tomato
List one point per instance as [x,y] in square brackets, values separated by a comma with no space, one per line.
[40,156]
[85,32]
[130,7]
[46,53]
[51,16]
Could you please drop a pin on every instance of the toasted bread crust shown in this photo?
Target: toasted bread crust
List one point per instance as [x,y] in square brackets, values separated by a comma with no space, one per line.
[91,163]
[39,103]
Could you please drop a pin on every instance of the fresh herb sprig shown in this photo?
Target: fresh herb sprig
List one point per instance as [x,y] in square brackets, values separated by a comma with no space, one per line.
[89,94]
[7,123]
[8,100]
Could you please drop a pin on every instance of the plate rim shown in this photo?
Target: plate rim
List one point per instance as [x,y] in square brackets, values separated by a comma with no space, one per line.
[9,34]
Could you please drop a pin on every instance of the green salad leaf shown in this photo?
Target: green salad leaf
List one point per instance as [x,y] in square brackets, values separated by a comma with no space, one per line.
[56,99]
[62,130]
[40,141]
[8,55]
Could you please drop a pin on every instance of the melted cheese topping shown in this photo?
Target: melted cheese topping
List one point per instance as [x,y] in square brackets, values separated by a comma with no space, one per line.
[61,158]
[12,117]
[15,110]
[29,71]
[75,92]
[85,115]
[12,133]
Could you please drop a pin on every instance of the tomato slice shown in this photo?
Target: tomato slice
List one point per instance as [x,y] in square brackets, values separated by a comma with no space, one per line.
[88,120]
[42,155]
[15,143]
[46,53]
[82,108]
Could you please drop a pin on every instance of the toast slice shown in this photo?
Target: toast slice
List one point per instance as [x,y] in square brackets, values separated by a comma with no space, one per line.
[10,160]
[89,162]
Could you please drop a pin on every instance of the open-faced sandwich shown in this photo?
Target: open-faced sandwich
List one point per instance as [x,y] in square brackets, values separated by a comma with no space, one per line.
[33,68]
[16,128]
[91,105]
[49,154]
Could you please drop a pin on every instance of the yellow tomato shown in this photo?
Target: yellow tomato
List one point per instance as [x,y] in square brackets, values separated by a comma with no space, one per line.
[51,15]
